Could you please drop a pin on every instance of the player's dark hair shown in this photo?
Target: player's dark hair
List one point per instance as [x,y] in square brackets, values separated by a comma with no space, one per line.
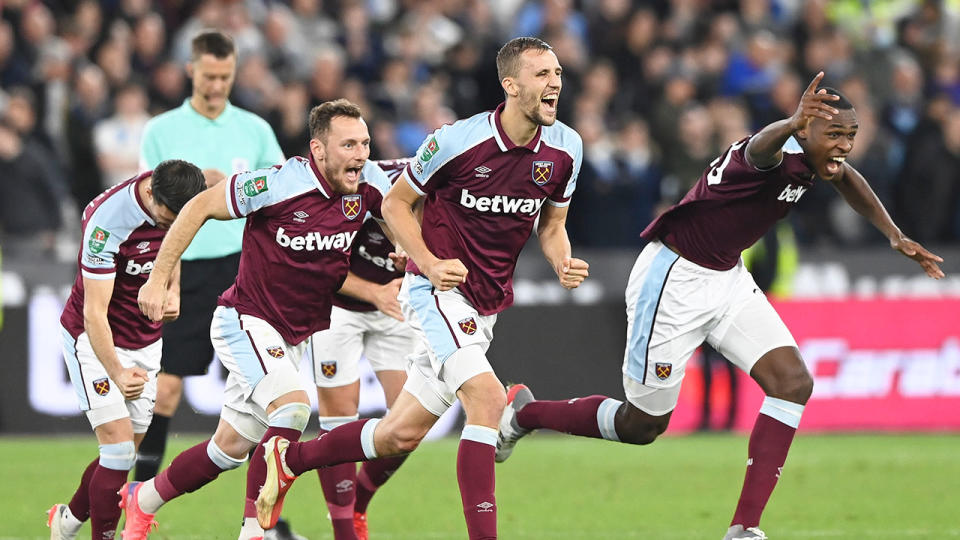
[842,104]
[214,42]
[321,115]
[508,59]
[174,182]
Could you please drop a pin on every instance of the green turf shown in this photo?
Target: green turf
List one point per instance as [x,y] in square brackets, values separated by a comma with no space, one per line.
[834,487]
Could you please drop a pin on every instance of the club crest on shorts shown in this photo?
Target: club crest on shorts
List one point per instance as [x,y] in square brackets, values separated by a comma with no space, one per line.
[663,370]
[328,368]
[350,205]
[468,326]
[542,172]
[101,386]
[276,352]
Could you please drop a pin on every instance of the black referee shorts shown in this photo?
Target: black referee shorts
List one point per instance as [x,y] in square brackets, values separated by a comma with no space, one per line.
[186,341]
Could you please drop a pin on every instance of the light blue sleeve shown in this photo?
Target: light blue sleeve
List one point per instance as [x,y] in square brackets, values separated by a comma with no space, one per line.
[564,138]
[374,175]
[250,191]
[102,236]
[443,145]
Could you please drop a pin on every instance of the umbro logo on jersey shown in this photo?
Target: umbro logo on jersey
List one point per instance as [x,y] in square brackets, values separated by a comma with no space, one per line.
[300,216]
[143,246]
[501,204]
[485,506]
[791,194]
[483,171]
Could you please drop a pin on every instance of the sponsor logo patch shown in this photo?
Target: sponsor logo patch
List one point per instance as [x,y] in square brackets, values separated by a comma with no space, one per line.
[143,246]
[429,150]
[663,370]
[255,186]
[542,172]
[328,368]
[468,326]
[98,239]
[276,352]
[300,216]
[351,205]
[483,171]
[101,386]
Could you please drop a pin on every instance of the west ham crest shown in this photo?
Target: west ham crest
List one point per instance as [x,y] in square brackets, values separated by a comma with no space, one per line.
[663,370]
[351,205]
[276,352]
[101,386]
[328,368]
[468,326]
[542,172]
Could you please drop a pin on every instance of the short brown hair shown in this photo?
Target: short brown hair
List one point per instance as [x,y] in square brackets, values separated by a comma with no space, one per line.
[321,115]
[508,59]
[214,42]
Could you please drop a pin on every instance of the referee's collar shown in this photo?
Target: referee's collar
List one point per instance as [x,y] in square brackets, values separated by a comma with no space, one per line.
[227,109]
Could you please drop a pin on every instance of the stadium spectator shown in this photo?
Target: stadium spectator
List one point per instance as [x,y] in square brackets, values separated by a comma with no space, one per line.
[112,353]
[30,210]
[89,105]
[689,286]
[117,138]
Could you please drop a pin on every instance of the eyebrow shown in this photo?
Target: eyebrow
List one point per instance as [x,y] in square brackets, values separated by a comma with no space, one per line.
[841,126]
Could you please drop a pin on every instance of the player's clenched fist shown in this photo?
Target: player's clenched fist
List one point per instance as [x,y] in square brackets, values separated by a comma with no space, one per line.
[572,272]
[152,299]
[131,381]
[446,274]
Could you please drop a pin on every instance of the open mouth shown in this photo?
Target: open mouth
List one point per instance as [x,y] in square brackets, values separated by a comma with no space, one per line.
[834,164]
[352,174]
[550,103]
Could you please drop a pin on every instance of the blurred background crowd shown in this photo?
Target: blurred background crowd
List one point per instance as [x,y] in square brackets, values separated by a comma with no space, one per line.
[656,88]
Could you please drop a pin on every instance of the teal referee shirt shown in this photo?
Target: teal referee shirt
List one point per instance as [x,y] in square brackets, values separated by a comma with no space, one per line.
[236,141]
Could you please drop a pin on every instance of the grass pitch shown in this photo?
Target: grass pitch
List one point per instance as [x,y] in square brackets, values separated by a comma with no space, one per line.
[565,488]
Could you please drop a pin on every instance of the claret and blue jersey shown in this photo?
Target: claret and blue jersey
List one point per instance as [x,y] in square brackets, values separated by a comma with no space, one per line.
[483,195]
[297,241]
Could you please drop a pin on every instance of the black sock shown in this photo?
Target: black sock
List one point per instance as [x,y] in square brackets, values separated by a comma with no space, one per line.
[152,448]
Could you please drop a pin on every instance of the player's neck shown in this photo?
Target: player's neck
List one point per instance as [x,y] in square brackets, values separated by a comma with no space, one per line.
[207,112]
[516,125]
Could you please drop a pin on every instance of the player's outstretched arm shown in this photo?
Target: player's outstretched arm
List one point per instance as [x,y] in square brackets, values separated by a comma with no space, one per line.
[764,149]
[398,211]
[383,296]
[552,232]
[211,203]
[860,196]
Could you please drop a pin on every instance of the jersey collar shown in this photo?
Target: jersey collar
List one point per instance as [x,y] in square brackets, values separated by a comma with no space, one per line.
[503,141]
[322,184]
[135,195]
[219,120]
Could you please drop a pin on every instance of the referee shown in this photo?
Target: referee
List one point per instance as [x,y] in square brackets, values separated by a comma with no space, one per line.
[222,140]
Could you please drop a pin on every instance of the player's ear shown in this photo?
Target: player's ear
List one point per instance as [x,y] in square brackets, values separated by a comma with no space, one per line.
[510,86]
[317,149]
[803,133]
[189,70]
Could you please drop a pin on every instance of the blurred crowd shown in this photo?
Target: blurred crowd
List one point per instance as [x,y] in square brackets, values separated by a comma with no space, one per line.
[656,88]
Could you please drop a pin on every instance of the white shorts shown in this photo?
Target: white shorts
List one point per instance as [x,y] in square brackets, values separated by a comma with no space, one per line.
[99,396]
[336,351]
[673,306]
[454,339]
[262,368]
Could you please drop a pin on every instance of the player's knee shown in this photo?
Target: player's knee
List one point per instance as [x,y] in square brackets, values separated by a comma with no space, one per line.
[119,456]
[795,386]
[636,427]
[291,416]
